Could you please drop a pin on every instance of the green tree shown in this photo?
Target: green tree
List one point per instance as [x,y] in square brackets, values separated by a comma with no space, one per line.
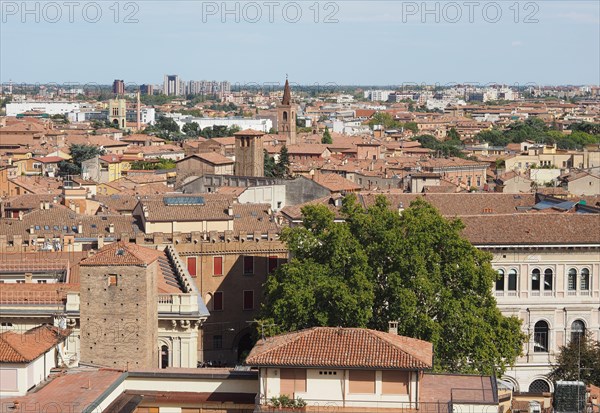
[191,129]
[453,134]
[579,360]
[325,283]
[411,126]
[282,168]
[385,119]
[79,154]
[326,139]
[421,272]
[269,165]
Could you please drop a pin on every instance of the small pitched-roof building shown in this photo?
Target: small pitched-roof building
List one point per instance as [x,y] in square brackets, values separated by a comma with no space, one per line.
[27,358]
[343,367]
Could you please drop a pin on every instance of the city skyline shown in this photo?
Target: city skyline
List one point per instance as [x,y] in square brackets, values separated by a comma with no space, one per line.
[376,44]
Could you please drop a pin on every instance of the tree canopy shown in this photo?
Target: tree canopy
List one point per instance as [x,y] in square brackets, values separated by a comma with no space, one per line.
[583,354]
[381,266]
[326,139]
[79,154]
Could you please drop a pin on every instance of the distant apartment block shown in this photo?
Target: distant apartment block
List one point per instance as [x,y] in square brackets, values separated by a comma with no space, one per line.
[147,90]
[119,87]
[51,108]
[171,85]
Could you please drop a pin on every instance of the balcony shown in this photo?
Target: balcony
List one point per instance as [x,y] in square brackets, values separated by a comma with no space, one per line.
[178,304]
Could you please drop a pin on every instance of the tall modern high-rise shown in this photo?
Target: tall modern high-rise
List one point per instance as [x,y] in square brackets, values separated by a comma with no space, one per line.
[171,85]
[119,87]
[147,89]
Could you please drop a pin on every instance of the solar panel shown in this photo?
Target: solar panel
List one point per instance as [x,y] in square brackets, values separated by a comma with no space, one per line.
[183,200]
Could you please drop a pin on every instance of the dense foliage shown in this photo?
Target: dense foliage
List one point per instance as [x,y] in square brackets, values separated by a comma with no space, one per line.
[79,153]
[327,139]
[452,147]
[534,129]
[381,266]
[581,354]
[279,169]
[160,164]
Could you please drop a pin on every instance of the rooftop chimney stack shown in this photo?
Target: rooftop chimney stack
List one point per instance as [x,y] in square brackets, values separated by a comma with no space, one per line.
[393,327]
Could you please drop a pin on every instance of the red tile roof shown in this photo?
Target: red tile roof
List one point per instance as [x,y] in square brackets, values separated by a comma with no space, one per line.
[342,348]
[122,253]
[28,346]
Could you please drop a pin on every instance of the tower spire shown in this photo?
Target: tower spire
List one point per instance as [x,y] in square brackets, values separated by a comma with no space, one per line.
[287,93]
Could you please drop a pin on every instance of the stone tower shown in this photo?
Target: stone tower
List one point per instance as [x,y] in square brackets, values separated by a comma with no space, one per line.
[286,116]
[249,153]
[119,307]
[117,113]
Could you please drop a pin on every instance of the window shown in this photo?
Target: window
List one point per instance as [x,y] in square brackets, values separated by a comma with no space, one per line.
[217,265]
[394,382]
[218,301]
[112,280]
[548,279]
[272,264]
[20,281]
[500,281]
[248,300]
[512,280]
[217,342]
[42,281]
[539,386]
[164,356]
[362,381]
[584,282]
[572,279]
[535,279]
[191,266]
[540,337]
[292,381]
[577,330]
[248,264]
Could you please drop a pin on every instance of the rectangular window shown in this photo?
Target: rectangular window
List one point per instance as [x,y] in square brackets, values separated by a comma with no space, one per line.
[272,264]
[292,381]
[20,281]
[217,265]
[112,280]
[217,342]
[218,301]
[249,300]
[248,264]
[394,382]
[362,381]
[191,266]
[42,281]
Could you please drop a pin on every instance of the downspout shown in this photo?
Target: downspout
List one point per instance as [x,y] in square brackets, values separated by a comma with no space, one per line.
[417,392]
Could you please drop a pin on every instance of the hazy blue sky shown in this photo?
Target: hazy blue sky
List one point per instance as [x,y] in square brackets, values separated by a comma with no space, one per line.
[372,42]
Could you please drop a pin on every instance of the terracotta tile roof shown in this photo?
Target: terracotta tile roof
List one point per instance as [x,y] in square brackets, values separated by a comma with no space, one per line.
[213,158]
[335,182]
[122,253]
[28,293]
[214,208]
[342,348]
[444,388]
[249,132]
[535,229]
[63,392]
[28,346]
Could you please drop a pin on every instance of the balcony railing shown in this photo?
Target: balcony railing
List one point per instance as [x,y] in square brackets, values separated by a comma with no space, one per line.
[177,303]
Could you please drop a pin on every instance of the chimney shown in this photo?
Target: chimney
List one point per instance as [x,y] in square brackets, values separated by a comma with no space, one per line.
[393,327]
[31,230]
[46,205]
[111,228]
[41,204]
[230,210]
[80,227]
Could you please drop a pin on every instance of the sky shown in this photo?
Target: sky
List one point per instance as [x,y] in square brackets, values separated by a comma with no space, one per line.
[544,42]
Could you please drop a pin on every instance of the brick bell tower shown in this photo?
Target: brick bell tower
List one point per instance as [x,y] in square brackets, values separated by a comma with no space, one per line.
[286,116]
[249,153]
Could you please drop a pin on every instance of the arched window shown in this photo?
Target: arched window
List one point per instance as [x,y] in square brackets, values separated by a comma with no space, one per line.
[540,337]
[572,279]
[577,330]
[539,386]
[512,280]
[500,281]
[535,279]
[584,282]
[285,116]
[548,279]
[164,356]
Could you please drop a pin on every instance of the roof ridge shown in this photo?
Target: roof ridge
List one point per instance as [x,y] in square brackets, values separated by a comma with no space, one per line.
[388,340]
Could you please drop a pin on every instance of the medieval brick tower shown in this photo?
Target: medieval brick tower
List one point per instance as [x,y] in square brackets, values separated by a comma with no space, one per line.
[119,307]
[249,153]
[286,116]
